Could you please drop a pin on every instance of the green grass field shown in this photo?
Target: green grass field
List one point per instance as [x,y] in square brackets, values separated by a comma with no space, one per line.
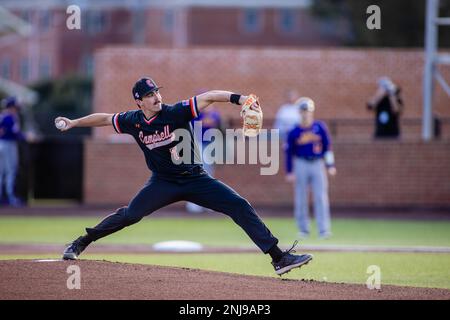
[410,269]
[223,232]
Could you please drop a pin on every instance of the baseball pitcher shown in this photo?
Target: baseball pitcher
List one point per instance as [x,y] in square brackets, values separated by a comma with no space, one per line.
[152,125]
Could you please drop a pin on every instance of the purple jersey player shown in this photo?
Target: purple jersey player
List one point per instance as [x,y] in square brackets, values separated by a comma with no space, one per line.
[307,154]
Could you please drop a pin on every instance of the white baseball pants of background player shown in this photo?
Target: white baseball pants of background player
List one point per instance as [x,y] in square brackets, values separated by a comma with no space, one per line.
[311,173]
[8,168]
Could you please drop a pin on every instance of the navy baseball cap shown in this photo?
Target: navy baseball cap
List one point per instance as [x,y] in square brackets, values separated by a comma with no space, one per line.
[305,104]
[10,102]
[143,87]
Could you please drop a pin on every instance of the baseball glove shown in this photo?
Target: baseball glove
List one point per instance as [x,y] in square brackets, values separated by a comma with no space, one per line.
[252,116]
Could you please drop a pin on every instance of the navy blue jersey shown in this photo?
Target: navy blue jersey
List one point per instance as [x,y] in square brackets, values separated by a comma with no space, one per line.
[156,138]
[10,128]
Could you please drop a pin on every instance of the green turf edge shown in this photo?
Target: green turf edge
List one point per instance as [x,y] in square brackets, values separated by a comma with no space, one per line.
[223,232]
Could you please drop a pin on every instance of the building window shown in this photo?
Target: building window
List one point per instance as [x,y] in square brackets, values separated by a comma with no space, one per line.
[287,21]
[252,20]
[44,68]
[45,20]
[26,15]
[25,69]
[96,21]
[6,68]
[168,20]
[87,64]
[328,28]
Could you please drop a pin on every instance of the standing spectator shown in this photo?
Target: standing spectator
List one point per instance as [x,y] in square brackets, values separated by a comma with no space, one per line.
[387,105]
[287,116]
[307,155]
[209,119]
[10,134]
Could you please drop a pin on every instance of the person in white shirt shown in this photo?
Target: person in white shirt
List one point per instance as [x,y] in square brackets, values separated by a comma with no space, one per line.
[287,116]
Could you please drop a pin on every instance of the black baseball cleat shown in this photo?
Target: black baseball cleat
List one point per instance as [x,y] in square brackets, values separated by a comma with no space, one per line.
[74,249]
[290,261]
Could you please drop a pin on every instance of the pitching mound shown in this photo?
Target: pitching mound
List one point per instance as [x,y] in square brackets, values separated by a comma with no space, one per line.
[25,279]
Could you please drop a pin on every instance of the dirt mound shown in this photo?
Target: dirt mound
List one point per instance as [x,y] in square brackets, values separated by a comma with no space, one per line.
[25,279]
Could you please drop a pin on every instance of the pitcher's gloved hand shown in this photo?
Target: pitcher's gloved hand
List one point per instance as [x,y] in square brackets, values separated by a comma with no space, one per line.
[252,116]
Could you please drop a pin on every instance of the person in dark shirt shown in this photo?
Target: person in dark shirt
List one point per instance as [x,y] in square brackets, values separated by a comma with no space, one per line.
[388,106]
[10,135]
[155,127]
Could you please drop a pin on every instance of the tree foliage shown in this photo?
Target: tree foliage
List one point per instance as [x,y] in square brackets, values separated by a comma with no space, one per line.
[402,21]
[70,97]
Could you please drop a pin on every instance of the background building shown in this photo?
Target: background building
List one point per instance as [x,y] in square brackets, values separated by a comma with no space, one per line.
[52,50]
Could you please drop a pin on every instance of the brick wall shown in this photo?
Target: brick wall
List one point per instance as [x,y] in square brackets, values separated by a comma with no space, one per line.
[378,173]
[339,80]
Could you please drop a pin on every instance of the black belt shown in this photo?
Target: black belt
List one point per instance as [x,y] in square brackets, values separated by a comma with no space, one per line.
[194,171]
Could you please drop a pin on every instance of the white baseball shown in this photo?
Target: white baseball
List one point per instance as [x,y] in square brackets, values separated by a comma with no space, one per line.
[61,124]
